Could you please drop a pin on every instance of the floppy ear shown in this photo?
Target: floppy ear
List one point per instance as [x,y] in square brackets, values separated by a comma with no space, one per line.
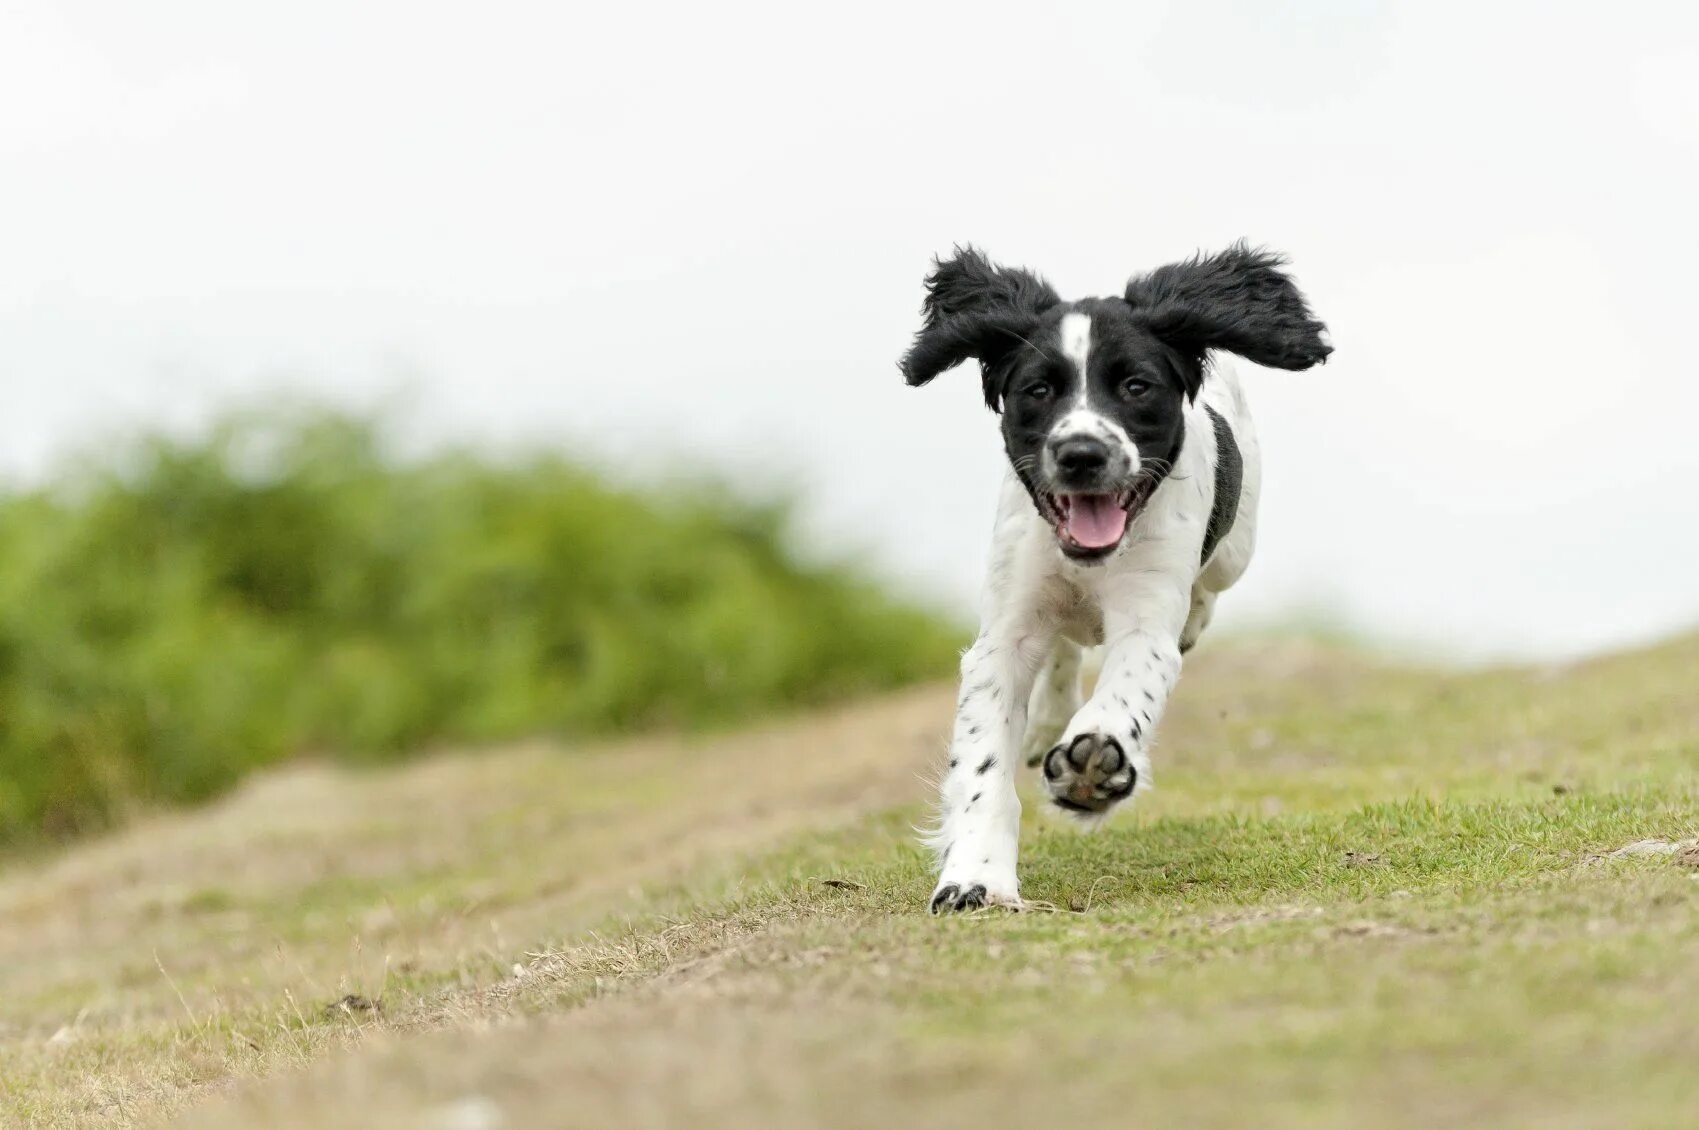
[974,308]
[1239,301]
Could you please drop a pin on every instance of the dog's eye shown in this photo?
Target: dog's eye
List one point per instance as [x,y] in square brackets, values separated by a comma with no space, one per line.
[1135,386]
[1039,391]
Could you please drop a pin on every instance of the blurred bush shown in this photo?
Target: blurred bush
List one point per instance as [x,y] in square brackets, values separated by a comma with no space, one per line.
[186,612]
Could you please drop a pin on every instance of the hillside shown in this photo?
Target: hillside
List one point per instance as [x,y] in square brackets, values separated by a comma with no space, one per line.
[1362,893]
[176,613]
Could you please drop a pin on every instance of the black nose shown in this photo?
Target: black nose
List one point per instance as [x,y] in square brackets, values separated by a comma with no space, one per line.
[1080,455]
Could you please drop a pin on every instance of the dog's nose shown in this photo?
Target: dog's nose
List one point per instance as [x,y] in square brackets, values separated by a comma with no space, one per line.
[1080,455]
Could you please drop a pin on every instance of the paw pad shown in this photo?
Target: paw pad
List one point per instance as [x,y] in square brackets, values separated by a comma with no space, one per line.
[951,897]
[1090,774]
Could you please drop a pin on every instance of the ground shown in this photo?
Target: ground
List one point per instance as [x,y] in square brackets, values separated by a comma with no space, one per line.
[1362,893]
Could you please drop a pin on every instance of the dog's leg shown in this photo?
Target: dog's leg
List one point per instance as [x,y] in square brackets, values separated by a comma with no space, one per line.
[1203,608]
[1104,753]
[979,814]
[1055,700]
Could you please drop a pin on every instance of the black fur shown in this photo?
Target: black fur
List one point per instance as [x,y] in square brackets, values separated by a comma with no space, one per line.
[974,308]
[1239,301]
[1229,480]
[968,282]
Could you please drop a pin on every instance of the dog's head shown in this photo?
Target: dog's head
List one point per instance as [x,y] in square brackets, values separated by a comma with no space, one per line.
[1093,393]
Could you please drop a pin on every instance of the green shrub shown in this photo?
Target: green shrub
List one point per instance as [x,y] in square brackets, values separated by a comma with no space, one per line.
[189,611]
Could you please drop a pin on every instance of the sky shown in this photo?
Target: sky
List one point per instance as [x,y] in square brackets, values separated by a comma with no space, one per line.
[661,237]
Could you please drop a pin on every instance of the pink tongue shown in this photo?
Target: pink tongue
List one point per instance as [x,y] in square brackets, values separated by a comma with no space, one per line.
[1094,520]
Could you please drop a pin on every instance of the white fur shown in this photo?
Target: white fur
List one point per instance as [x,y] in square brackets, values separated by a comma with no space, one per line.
[1076,344]
[1038,608]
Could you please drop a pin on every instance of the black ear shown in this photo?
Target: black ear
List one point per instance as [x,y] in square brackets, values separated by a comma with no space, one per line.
[1239,301]
[974,308]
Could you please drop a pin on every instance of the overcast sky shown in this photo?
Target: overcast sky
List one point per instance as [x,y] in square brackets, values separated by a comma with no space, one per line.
[648,233]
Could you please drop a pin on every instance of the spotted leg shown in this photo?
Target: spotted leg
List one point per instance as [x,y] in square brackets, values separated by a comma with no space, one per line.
[1104,753]
[979,817]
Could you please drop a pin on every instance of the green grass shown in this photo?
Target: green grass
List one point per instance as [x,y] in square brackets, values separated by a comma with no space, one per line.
[1396,964]
[179,613]
[1361,894]
[1461,951]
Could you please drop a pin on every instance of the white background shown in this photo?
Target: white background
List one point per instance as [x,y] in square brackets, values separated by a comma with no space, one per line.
[663,234]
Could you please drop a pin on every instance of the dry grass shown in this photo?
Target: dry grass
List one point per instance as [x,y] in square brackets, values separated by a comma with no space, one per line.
[1362,893]
[203,946]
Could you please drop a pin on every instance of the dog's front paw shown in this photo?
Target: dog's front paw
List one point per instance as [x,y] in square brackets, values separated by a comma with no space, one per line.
[973,893]
[1089,774]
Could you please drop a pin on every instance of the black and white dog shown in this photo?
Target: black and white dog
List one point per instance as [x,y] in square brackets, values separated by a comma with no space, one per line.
[1130,503]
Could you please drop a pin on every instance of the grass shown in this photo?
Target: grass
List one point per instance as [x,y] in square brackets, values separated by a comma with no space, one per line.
[177,614]
[1362,893]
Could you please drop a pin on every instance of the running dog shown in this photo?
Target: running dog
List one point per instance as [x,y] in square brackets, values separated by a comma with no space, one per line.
[1128,506]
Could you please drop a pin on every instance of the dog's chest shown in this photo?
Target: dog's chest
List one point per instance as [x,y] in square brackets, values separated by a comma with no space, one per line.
[1076,610]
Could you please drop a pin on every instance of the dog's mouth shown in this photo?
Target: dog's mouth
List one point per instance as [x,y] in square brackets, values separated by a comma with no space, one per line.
[1090,526]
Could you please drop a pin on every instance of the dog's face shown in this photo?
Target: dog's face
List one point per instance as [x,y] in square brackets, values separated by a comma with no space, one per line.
[1093,415]
[1093,393]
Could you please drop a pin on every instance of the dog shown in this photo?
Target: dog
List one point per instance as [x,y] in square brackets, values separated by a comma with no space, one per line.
[1128,506]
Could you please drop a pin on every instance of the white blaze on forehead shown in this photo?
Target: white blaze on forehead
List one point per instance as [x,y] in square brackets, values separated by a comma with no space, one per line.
[1080,420]
[1076,343]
